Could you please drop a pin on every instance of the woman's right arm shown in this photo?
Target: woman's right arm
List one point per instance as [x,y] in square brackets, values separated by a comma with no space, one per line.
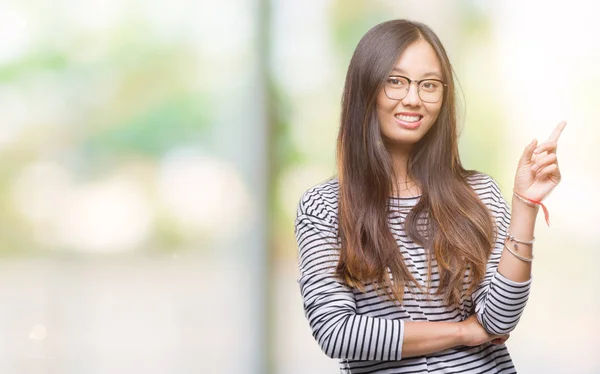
[422,338]
[330,306]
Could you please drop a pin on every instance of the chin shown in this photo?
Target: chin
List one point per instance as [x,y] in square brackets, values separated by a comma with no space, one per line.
[403,136]
[401,141]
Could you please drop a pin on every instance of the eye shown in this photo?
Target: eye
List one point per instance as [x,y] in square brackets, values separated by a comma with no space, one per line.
[396,81]
[430,85]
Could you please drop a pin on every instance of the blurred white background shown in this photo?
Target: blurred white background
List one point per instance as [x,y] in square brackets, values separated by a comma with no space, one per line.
[152,155]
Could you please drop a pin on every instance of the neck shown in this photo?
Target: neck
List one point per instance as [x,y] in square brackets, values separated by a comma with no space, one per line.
[405,186]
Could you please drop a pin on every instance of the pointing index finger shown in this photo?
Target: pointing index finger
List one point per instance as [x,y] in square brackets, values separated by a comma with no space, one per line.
[557,131]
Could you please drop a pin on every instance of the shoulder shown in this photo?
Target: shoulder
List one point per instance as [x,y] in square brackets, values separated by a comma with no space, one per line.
[321,201]
[488,190]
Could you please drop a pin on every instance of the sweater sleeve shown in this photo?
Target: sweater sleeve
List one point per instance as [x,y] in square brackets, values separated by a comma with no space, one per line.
[499,301]
[329,304]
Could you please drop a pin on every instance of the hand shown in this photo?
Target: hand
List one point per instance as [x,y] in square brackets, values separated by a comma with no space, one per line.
[472,333]
[537,173]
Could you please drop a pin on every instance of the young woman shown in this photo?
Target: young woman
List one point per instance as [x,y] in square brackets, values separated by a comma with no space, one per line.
[408,262]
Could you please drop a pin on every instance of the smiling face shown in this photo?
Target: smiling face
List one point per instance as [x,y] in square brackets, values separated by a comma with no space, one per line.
[404,122]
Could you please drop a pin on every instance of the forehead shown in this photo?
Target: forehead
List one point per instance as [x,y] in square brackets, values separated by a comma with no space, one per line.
[418,60]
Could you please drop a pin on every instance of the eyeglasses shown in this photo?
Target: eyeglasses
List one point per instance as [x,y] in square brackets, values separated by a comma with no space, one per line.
[396,87]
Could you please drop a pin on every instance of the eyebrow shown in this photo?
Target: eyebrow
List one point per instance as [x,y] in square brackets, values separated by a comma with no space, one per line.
[432,73]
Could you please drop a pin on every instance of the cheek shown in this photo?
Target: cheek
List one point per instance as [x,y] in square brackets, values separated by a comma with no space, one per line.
[382,111]
[384,108]
[434,112]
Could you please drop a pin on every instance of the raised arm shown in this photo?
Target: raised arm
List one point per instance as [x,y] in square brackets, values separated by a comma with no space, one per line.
[502,295]
[536,176]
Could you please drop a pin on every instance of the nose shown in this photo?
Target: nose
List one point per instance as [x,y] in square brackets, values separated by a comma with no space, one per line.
[412,96]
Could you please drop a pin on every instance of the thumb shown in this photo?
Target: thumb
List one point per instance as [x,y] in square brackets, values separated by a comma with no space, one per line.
[528,153]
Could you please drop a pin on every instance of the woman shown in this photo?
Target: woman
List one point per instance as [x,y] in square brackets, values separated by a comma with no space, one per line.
[408,262]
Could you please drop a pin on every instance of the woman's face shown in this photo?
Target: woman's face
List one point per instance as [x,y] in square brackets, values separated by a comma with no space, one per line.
[404,122]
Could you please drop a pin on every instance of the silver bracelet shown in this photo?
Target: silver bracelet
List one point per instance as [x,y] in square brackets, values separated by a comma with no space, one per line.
[512,237]
[518,256]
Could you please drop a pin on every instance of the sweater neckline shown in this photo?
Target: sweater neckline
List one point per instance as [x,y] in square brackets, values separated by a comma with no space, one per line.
[404,201]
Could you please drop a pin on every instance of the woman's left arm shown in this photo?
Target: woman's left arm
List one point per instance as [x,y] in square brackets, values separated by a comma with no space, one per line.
[537,175]
[503,294]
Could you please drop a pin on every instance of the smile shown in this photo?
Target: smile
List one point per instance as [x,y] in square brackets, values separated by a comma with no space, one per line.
[409,121]
[405,118]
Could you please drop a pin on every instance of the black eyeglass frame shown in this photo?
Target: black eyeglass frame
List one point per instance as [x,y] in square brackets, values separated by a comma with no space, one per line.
[418,82]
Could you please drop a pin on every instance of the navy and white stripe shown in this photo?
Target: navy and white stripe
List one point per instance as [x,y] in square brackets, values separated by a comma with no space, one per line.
[365,331]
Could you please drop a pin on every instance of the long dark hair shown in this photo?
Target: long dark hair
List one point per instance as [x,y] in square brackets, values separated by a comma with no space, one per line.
[460,231]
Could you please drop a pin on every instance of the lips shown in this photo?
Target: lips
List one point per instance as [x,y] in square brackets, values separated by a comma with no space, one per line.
[409,120]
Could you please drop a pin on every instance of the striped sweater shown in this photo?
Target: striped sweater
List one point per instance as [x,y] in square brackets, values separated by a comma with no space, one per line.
[365,331]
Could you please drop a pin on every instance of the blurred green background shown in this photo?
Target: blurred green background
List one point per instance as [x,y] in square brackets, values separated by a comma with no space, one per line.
[152,155]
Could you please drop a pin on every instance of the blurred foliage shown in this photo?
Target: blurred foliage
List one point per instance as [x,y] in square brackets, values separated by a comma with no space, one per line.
[126,96]
[481,121]
[350,23]
[42,60]
[173,122]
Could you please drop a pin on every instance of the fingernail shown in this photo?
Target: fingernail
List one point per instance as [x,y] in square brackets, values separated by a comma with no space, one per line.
[537,150]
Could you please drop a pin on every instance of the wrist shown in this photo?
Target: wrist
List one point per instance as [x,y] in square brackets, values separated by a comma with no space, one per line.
[532,203]
[520,204]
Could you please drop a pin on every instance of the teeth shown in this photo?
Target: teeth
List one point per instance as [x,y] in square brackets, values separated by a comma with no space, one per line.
[408,118]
